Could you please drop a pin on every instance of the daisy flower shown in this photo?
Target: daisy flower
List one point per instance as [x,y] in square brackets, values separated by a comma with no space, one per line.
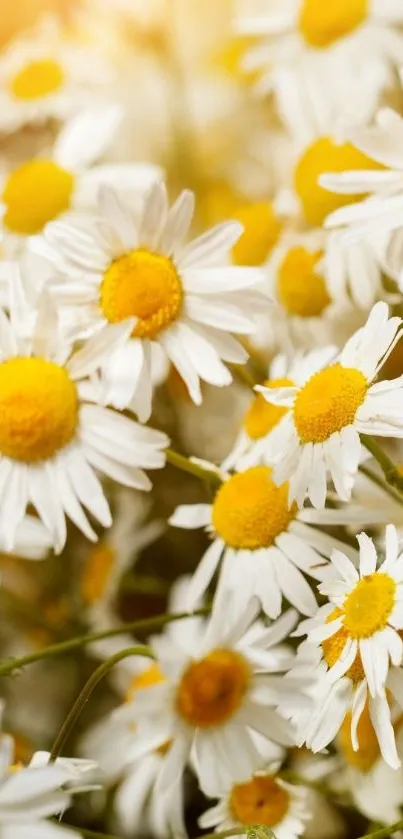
[44,76]
[264,799]
[325,55]
[375,788]
[32,540]
[216,697]
[380,185]
[32,794]
[185,298]
[357,646]
[264,546]
[52,436]
[328,410]
[39,190]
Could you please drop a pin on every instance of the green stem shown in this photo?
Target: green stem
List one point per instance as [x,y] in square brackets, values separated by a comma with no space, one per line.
[390,471]
[87,692]
[144,625]
[186,465]
[383,831]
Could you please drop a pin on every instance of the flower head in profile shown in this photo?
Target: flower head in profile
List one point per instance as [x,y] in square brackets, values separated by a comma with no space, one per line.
[356,644]
[54,438]
[45,76]
[266,800]
[320,433]
[186,298]
[30,796]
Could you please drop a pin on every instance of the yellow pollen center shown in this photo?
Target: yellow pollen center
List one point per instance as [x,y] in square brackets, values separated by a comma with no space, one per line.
[153,675]
[38,409]
[37,79]
[212,689]
[261,232]
[333,648]
[262,800]
[328,402]
[34,194]
[300,288]
[322,23]
[262,417]
[96,573]
[250,511]
[368,751]
[322,157]
[143,285]
[369,606]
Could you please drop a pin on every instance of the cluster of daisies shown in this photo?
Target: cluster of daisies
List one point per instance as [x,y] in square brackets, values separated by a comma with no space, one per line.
[201,328]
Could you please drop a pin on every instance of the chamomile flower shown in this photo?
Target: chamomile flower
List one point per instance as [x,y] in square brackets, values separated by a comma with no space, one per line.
[216,697]
[30,795]
[38,191]
[264,546]
[45,76]
[331,407]
[356,644]
[52,436]
[380,185]
[325,55]
[264,799]
[375,788]
[185,298]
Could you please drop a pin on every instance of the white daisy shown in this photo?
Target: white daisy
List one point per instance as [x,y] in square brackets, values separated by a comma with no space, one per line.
[52,439]
[215,698]
[264,799]
[331,407]
[39,190]
[265,546]
[375,788]
[355,644]
[185,298]
[45,76]
[325,56]
[29,796]
[382,209]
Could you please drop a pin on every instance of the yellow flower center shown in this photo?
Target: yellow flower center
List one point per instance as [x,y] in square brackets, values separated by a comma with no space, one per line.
[321,157]
[322,23]
[153,675]
[144,285]
[250,511]
[368,751]
[368,607]
[38,409]
[261,232]
[97,570]
[300,288]
[333,648]
[262,417]
[262,800]
[34,194]
[212,689]
[328,402]
[37,79]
